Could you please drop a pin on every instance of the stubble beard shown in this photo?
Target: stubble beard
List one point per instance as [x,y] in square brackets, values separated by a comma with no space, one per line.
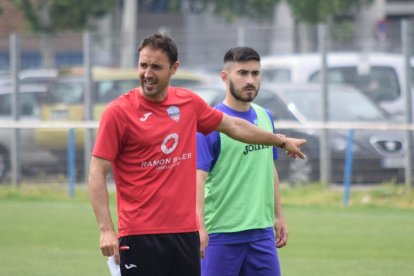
[156,92]
[237,94]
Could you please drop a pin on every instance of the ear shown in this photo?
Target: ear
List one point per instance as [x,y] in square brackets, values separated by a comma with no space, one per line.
[224,75]
[174,68]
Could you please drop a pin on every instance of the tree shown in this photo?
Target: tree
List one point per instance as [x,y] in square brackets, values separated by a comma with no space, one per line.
[307,11]
[61,15]
[317,11]
[232,9]
[50,16]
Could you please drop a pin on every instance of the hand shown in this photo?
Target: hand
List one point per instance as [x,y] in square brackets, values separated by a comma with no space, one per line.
[109,244]
[281,233]
[203,241]
[292,147]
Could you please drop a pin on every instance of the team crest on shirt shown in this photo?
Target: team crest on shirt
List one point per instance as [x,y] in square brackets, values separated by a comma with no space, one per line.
[174,113]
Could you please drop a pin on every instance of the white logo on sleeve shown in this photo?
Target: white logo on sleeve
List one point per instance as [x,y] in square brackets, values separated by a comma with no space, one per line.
[145,117]
[129,266]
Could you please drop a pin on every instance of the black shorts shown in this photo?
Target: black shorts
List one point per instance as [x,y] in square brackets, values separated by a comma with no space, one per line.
[161,254]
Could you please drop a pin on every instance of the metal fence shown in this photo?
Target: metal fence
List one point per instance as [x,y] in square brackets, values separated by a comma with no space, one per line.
[199,49]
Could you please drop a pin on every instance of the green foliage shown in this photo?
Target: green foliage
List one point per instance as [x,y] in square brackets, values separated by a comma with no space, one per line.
[50,16]
[315,11]
[174,5]
[317,194]
[74,14]
[342,31]
[310,11]
[232,9]
[385,195]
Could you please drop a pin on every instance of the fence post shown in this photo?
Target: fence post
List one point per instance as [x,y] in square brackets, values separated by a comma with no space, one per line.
[71,165]
[324,148]
[406,36]
[87,104]
[15,143]
[241,41]
[348,167]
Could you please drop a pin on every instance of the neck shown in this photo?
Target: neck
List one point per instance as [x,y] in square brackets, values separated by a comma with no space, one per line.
[237,105]
[158,97]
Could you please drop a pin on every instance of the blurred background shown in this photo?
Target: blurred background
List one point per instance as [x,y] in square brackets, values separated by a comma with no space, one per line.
[337,73]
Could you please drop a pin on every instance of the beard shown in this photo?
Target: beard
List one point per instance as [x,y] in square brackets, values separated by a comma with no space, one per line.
[156,88]
[237,94]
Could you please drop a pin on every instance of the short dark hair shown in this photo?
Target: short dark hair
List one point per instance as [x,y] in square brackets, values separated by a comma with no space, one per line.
[163,42]
[238,54]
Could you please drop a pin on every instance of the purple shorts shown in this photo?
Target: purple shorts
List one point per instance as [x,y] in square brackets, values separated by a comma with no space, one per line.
[257,258]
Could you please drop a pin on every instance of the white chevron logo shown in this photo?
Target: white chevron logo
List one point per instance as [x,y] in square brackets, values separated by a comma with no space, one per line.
[146,115]
[130,266]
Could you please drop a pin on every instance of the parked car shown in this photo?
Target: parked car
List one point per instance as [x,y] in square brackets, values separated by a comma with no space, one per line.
[64,101]
[379,75]
[377,154]
[30,76]
[31,157]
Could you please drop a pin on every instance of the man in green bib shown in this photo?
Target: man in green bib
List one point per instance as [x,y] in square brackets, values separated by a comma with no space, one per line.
[238,200]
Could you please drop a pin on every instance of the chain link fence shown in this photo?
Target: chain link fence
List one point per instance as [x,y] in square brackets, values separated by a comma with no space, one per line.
[81,69]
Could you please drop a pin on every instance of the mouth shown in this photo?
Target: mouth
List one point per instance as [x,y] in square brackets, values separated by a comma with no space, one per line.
[249,88]
[149,84]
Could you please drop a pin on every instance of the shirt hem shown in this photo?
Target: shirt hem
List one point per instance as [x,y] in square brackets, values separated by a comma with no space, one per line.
[156,231]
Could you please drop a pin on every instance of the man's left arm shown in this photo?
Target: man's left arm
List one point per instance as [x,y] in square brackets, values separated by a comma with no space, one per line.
[281,230]
[201,179]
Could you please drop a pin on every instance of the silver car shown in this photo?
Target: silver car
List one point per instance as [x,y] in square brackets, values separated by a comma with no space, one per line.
[30,156]
[378,155]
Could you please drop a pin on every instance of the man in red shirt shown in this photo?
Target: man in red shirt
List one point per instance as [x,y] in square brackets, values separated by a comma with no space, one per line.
[148,136]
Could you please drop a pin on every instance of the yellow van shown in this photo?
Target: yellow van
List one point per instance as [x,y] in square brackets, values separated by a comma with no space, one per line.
[64,100]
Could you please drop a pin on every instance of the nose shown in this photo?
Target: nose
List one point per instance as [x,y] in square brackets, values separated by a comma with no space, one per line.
[250,79]
[148,72]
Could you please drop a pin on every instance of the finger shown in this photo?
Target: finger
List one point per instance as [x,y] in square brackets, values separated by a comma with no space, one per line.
[278,237]
[301,155]
[282,241]
[117,258]
[202,250]
[105,251]
[294,155]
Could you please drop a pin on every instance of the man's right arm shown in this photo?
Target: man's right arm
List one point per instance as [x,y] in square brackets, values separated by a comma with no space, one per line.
[98,194]
[246,132]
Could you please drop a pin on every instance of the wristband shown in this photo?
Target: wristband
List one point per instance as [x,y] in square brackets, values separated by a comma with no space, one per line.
[284,141]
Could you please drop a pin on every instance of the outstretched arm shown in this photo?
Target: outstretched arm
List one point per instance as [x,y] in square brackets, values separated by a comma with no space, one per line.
[201,179]
[98,194]
[246,132]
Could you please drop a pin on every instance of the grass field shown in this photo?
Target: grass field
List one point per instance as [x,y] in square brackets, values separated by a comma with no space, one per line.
[43,232]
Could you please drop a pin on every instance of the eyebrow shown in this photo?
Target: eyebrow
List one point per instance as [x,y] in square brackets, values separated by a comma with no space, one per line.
[245,70]
[153,65]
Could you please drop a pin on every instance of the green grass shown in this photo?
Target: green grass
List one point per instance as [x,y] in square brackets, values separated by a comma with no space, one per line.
[44,232]
[348,241]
